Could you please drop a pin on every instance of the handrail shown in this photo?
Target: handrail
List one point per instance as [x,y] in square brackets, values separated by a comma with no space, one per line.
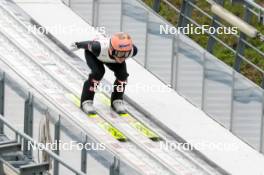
[231,49]
[65,113]
[255,5]
[261,36]
[39,146]
[217,21]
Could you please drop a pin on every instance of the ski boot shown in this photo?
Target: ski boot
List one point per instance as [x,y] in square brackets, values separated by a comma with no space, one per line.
[118,106]
[88,108]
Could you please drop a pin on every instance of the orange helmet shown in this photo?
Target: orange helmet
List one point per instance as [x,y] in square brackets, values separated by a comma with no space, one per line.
[121,45]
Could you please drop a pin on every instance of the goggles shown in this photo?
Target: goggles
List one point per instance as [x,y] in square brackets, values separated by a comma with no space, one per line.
[121,54]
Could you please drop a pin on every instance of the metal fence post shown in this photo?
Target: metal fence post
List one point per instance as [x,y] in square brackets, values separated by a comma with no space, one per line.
[173,63]
[232,102]
[84,156]
[176,52]
[262,135]
[95,13]
[156,5]
[262,82]
[115,167]
[203,82]
[261,147]
[146,43]
[261,17]
[241,45]
[211,41]
[28,123]
[186,10]
[121,17]
[2,100]
[57,139]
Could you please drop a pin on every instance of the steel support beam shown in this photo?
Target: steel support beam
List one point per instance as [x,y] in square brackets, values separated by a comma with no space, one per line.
[173,64]
[241,45]
[261,146]
[261,17]
[2,100]
[146,43]
[28,123]
[84,156]
[231,123]
[57,139]
[211,41]
[156,6]
[95,13]
[115,167]
[186,10]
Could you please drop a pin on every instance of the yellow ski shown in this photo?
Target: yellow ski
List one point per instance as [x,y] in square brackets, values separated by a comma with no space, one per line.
[139,126]
[100,121]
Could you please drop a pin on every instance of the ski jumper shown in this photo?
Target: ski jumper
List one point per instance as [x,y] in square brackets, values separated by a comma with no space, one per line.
[97,55]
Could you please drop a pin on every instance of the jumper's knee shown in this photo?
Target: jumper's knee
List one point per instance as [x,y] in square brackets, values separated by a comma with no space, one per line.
[97,75]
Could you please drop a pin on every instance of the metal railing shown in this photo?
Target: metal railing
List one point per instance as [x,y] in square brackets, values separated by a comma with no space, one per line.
[208,73]
[61,126]
[234,121]
[250,9]
[27,138]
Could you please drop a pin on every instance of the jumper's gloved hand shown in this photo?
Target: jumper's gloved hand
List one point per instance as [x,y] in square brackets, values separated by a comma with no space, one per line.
[73,47]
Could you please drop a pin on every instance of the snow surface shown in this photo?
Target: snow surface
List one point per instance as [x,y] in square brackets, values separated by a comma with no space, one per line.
[168,107]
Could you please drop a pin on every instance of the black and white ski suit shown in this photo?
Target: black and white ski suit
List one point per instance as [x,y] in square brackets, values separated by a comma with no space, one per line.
[97,55]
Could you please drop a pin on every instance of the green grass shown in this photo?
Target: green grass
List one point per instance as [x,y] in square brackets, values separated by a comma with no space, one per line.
[219,50]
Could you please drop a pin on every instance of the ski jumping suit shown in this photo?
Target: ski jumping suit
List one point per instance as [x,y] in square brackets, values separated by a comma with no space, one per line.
[97,55]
